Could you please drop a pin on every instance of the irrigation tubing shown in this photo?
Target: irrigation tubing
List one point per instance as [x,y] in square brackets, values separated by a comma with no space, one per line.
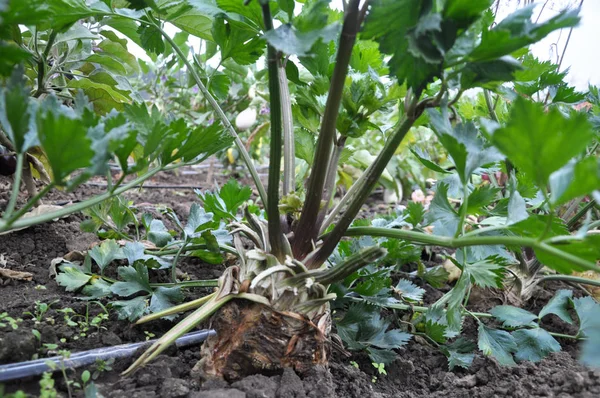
[37,367]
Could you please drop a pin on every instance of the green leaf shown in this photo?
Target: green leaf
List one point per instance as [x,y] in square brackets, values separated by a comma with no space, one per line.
[132,309]
[559,305]
[304,145]
[361,329]
[134,251]
[465,12]
[435,276]
[575,179]
[480,198]
[441,214]
[517,31]
[72,278]
[489,74]
[292,42]
[534,344]
[151,39]
[126,26]
[587,249]
[135,279]
[121,55]
[29,12]
[76,32]
[435,331]
[409,291]
[242,45]
[512,317]
[106,253]
[497,344]
[381,356]
[540,142]
[65,142]
[164,298]
[426,160]
[463,144]
[460,353]
[588,312]
[388,23]
[159,234]
[517,209]
[203,142]
[287,6]
[66,12]
[12,55]
[15,112]
[234,195]
[198,218]
[251,12]
[97,288]
[488,272]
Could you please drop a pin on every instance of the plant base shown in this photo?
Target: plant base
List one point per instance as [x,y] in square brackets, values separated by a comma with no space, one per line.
[252,338]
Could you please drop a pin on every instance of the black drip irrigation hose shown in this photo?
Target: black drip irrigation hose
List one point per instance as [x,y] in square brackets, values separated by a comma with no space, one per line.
[37,367]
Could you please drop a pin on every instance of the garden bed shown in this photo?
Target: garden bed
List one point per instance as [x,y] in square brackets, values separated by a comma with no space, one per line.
[419,371]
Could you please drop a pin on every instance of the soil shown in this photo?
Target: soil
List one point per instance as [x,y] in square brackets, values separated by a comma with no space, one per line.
[419,371]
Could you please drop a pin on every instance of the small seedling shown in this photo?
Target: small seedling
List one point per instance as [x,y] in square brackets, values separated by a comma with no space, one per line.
[6,320]
[102,366]
[380,368]
[47,389]
[355,364]
[40,310]
[149,335]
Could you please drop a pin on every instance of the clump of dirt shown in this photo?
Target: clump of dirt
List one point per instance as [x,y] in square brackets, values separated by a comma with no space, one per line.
[419,371]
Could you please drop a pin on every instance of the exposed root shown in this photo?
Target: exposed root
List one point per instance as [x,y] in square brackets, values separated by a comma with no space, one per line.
[252,338]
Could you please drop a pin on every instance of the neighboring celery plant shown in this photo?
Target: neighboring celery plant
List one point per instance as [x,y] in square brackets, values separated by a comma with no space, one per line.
[272,308]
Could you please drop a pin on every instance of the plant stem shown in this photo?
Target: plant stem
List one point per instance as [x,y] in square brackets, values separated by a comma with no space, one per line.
[42,64]
[213,103]
[30,204]
[225,248]
[330,178]
[571,223]
[274,223]
[289,153]
[174,265]
[419,237]
[570,278]
[492,111]
[15,188]
[65,211]
[340,206]
[371,178]
[307,229]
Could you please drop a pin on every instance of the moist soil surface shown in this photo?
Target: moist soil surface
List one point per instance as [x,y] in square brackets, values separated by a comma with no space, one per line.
[419,371]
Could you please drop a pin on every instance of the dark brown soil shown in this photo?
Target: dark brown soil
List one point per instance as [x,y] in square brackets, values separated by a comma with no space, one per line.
[419,371]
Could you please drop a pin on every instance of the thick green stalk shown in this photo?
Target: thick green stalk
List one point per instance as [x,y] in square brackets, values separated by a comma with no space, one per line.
[330,179]
[289,153]
[274,223]
[371,178]
[214,104]
[308,229]
[464,241]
